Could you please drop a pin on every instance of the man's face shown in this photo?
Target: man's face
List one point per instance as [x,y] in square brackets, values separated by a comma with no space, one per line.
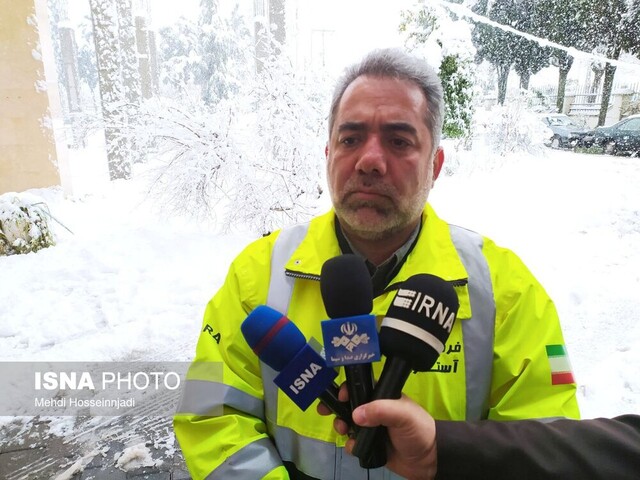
[380,165]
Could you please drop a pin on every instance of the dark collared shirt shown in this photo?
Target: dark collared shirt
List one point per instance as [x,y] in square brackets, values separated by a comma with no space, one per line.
[381,274]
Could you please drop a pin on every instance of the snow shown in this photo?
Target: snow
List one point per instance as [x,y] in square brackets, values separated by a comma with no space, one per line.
[464,11]
[131,283]
[136,456]
[125,283]
[128,280]
[575,221]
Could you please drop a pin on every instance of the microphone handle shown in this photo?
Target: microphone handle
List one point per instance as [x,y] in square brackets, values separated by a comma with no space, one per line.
[393,377]
[360,386]
[359,383]
[330,398]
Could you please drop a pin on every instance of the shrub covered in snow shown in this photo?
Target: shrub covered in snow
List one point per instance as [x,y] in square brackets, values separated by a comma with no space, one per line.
[514,128]
[24,224]
[196,155]
[284,133]
[258,155]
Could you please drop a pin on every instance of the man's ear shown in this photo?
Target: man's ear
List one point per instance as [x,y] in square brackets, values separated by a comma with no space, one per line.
[326,151]
[438,161]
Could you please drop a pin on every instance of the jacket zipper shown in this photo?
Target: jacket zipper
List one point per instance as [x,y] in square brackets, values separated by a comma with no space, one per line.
[454,283]
[309,276]
[303,276]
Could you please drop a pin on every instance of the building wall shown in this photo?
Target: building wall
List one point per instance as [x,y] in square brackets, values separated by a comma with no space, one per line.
[29,101]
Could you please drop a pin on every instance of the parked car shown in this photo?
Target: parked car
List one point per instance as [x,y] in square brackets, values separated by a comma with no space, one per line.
[620,138]
[566,133]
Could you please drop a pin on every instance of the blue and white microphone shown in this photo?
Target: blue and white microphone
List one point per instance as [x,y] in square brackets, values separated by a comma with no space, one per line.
[304,375]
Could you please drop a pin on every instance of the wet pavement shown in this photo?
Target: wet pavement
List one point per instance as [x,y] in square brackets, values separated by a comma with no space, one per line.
[95,448]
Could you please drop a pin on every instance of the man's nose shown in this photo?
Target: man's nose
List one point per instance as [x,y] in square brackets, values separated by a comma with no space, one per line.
[372,157]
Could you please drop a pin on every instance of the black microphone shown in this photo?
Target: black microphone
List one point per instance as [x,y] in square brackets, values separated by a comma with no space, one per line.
[347,293]
[412,336]
[304,374]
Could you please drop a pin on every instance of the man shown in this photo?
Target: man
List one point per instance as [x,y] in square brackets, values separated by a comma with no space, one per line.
[383,156]
[420,447]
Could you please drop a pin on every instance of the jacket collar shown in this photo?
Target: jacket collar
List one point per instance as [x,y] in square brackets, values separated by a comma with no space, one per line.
[434,252]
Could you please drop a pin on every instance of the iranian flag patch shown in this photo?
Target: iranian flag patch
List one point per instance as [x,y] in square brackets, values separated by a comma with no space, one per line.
[560,367]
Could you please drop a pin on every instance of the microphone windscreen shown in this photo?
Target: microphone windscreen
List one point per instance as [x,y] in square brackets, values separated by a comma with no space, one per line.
[345,285]
[419,321]
[274,338]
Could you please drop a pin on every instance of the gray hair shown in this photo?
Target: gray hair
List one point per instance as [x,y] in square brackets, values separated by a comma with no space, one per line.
[394,63]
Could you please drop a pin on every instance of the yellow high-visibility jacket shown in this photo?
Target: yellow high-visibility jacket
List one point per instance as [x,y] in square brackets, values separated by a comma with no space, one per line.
[504,360]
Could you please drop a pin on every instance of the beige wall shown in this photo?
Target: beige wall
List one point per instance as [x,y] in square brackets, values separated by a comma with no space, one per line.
[29,156]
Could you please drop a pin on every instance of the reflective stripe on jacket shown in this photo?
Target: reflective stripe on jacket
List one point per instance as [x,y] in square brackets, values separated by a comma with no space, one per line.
[495,365]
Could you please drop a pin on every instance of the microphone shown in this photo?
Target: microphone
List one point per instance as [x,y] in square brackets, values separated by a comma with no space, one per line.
[304,375]
[351,337]
[412,336]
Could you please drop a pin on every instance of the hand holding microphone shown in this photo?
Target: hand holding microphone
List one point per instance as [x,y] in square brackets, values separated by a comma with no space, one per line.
[412,451]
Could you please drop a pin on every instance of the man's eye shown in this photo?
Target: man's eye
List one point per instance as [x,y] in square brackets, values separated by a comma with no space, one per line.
[399,142]
[349,141]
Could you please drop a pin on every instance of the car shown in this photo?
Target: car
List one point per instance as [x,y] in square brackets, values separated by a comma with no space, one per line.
[566,132]
[620,138]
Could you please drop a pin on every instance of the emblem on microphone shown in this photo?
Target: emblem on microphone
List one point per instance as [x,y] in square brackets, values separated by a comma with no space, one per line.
[349,328]
[426,305]
[351,340]
[404,298]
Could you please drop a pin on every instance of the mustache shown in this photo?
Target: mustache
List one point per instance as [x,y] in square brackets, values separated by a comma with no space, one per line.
[359,185]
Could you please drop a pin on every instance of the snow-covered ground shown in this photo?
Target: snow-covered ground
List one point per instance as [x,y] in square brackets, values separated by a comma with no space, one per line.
[131,283]
[575,221]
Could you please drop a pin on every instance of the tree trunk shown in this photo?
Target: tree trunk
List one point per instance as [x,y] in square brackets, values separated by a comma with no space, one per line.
[597,77]
[503,76]
[144,57]
[105,34]
[609,73]
[260,34]
[277,18]
[524,81]
[130,76]
[128,52]
[565,66]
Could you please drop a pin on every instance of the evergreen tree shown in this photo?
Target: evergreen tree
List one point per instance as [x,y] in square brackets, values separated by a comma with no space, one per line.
[602,19]
[504,49]
[457,97]
[87,67]
[428,28]
[208,56]
[558,22]
[221,47]
[631,29]
[529,57]
[494,44]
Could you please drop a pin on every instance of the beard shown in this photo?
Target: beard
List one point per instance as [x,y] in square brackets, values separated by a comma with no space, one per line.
[379,218]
